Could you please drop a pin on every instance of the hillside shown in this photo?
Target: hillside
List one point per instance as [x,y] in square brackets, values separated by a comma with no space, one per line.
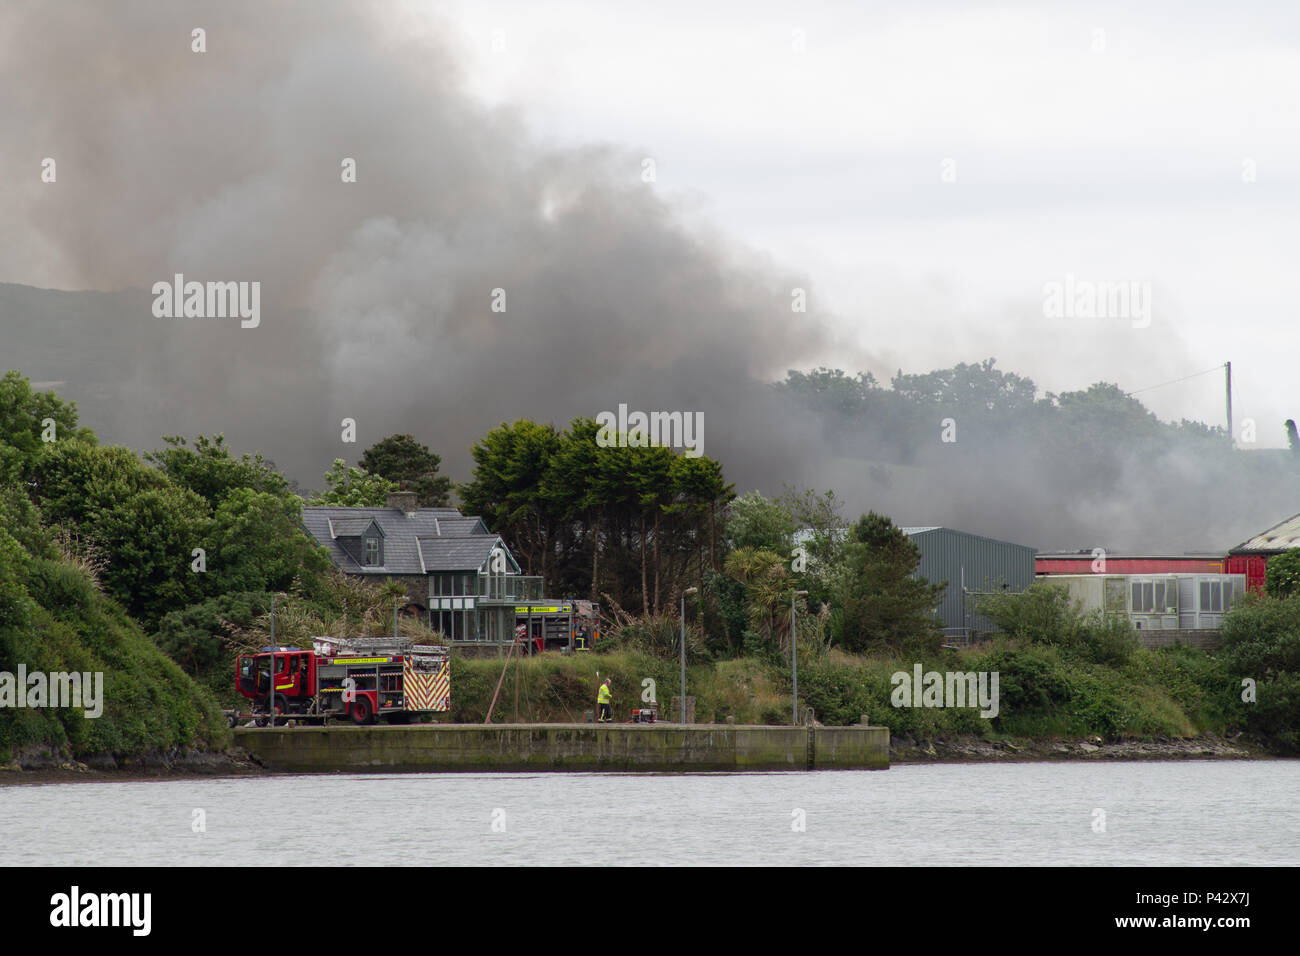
[54,618]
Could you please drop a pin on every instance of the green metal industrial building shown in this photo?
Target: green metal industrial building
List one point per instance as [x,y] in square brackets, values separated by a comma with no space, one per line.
[970,564]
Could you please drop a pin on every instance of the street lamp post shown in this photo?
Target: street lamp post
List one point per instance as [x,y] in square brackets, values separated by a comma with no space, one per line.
[270,671]
[794,657]
[684,593]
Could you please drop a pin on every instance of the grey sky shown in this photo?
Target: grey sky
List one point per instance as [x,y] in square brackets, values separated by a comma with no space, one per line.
[1123,162]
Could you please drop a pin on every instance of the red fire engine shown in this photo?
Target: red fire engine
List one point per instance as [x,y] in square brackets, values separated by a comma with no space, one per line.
[362,678]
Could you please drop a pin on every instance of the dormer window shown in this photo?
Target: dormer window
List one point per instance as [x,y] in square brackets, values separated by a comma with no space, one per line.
[372,552]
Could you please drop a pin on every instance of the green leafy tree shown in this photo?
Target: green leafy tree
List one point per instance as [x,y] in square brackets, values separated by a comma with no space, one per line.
[507,487]
[209,469]
[823,542]
[351,487]
[876,600]
[754,521]
[256,543]
[764,575]
[572,489]
[978,387]
[832,393]
[198,637]
[699,492]
[145,526]
[1282,574]
[30,420]
[412,465]
[650,470]
[1261,647]
[627,522]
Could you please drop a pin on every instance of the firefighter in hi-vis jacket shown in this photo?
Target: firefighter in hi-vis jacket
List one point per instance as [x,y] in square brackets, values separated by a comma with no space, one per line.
[603,698]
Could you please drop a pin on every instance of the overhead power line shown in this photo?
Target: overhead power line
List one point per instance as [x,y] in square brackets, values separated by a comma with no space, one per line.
[1217,368]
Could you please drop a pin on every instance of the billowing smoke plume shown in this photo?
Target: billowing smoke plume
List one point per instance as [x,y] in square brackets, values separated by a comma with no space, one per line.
[377,295]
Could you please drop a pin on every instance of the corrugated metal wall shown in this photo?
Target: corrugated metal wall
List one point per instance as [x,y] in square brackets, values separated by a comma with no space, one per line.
[988,564]
[1252,565]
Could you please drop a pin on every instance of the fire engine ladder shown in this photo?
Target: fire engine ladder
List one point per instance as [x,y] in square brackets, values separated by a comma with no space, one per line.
[370,645]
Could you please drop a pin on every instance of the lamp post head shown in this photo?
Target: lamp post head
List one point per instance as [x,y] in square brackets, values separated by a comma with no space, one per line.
[690,591]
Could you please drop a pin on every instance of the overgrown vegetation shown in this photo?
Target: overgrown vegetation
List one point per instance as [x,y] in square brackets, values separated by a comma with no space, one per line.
[1061,673]
[1282,574]
[1261,650]
[55,619]
[1043,692]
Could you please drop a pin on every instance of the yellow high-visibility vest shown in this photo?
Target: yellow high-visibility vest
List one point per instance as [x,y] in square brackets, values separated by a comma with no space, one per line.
[602,697]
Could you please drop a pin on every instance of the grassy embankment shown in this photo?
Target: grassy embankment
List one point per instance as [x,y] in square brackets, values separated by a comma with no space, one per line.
[54,618]
[1044,693]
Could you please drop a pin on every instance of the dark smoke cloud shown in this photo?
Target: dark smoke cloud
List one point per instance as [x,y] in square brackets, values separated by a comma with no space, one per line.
[376,296]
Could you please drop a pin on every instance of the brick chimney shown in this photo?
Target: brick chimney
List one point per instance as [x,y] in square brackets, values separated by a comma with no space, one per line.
[407,501]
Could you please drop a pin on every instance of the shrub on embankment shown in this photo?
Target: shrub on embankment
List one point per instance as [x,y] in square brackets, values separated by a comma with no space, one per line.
[1261,652]
[1060,673]
[54,618]
[1042,691]
[552,687]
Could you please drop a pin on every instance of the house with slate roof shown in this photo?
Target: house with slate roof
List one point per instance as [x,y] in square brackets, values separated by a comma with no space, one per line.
[458,575]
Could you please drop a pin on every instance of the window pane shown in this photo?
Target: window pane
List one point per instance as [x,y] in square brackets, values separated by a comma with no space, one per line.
[1160,596]
[1205,595]
[1137,595]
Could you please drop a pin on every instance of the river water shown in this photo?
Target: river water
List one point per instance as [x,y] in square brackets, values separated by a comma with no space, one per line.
[1186,813]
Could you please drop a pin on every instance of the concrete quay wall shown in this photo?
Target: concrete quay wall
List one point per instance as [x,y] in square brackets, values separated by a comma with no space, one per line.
[477,748]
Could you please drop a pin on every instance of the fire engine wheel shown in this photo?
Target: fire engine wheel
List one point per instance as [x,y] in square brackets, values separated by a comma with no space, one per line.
[361,713]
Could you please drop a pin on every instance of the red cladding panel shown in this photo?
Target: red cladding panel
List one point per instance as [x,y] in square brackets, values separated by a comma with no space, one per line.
[1121,565]
[1250,565]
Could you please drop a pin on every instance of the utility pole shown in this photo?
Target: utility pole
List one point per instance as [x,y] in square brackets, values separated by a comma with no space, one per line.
[1227,369]
[270,670]
[684,593]
[794,659]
